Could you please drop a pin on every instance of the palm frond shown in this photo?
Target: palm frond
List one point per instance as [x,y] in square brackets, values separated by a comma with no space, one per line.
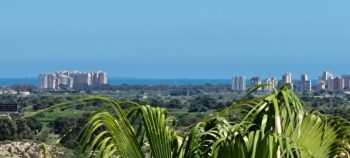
[273,126]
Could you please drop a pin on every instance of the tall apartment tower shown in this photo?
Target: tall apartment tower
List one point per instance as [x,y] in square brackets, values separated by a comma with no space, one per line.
[73,79]
[43,81]
[255,81]
[102,78]
[272,84]
[81,79]
[305,83]
[287,77]
[64,80]
[51,81]
[327,77]
[346,79]
[338,84]
[239,83]
[99,78]
[330,83]
[321,85]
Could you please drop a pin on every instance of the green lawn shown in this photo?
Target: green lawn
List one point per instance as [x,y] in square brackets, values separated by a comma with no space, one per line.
[50,116]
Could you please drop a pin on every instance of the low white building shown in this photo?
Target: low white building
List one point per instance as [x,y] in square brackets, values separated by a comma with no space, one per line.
[24,94]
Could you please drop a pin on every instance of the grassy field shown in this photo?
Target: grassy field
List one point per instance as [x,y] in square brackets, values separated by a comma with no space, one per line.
[47,117]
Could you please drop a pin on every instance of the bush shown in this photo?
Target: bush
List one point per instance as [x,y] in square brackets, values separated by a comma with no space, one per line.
[23,131]
[34,124]
[70,129]
[42,136]
[62,125]
[18,128]
[175,103]
[186,120]
[70,141]
[201,104]
[7,129]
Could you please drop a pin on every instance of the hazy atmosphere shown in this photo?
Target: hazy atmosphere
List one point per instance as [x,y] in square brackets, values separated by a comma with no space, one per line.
[174,39]
[174,79]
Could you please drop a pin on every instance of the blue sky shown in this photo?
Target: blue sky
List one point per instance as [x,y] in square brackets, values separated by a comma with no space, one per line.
[175,39]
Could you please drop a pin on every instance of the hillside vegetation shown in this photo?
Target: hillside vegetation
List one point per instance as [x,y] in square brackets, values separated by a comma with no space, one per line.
[276,125]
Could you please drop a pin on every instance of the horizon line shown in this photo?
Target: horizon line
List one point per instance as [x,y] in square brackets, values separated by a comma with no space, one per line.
[155,78]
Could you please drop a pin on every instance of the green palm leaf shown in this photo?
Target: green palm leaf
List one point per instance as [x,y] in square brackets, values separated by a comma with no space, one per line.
[273,126]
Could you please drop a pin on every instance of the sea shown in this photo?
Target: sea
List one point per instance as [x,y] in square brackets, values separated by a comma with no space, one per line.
[129,81]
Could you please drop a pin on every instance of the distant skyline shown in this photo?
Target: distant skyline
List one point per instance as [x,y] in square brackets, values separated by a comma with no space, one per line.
[279,76]
[175,39]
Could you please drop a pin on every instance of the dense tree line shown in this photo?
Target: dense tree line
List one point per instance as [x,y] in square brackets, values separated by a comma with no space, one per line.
[174,90]
[68,129]
[18,128]
[276,125]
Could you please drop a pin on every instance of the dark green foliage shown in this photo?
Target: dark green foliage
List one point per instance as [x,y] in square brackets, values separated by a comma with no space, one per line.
[34,124]
[201,103]
[156,101]
[69,129]
[43,135]
[274,126]
[7,129]
[189,119]
[18,128]
[23,130]
[70,141]
[175,103]
[61,125]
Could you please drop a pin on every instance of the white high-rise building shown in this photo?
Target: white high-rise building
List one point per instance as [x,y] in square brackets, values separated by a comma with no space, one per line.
[43,81]
[51,81]
[99,78]
[330,83]
[73,79]
[338,84]
[327,77]
[64,80]
[102,78]
[304,77]
[254,81]
[239,83]
[272,84]
[346,81]
[305,83]
[94,78]
[321,85]
[81,79]
[287,78]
